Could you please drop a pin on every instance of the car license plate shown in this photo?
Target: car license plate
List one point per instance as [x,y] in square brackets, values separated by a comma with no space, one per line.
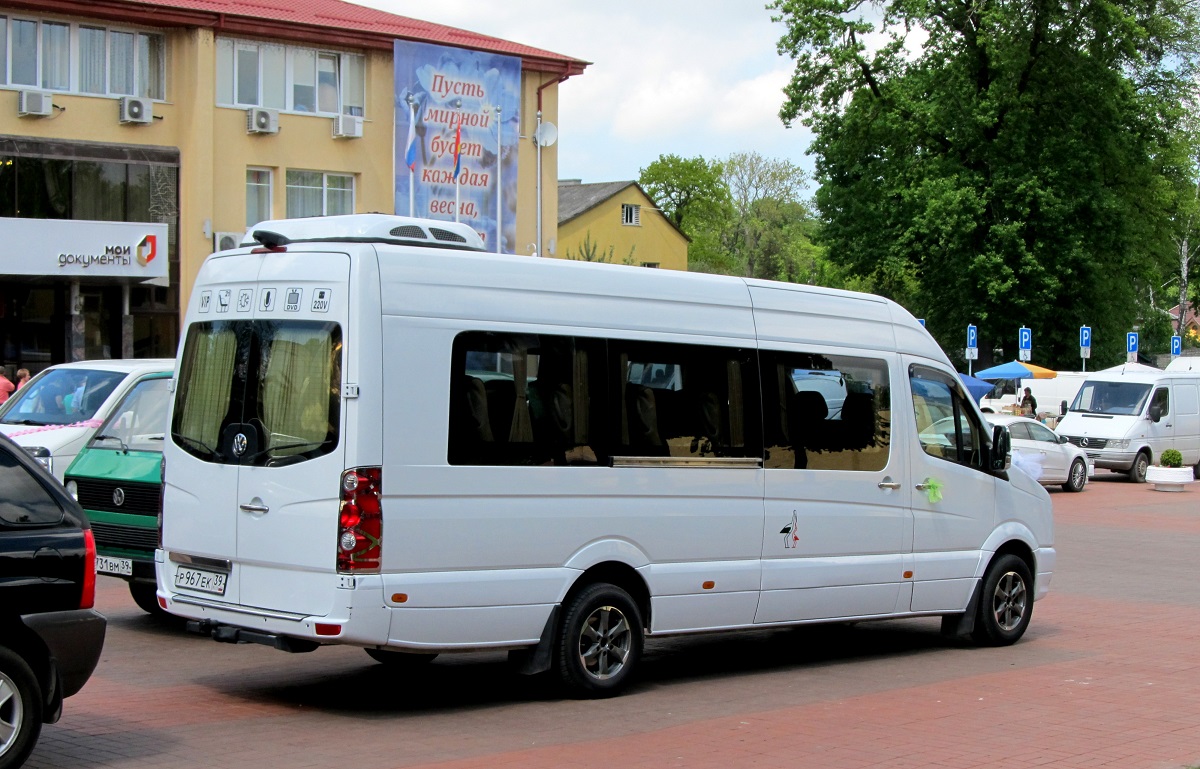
[198,579]
[106,564]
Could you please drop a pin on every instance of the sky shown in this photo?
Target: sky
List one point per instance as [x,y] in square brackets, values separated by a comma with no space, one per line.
[684,77]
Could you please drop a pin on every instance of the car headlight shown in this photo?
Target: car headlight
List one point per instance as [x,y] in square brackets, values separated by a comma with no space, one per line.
[1122,444]
[43,455]
[73,490]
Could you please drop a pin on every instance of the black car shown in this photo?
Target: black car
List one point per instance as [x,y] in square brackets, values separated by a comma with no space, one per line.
[50,636]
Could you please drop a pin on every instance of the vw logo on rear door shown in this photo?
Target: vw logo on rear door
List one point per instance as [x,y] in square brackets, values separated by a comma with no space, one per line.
[239,444]
[119,497]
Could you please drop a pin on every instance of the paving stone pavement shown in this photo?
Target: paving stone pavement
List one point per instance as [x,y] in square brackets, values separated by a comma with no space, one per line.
[1107,676]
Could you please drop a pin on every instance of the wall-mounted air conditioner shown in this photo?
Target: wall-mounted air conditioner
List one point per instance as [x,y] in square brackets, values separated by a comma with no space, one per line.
[260,120]
[34,103]
[135,110]
[347,127]
[223,241]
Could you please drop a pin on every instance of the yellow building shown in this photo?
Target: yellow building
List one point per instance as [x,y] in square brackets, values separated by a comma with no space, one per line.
[616,222]
[201,117]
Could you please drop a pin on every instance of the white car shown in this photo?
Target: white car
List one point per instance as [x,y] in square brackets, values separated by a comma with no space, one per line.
[54,414]
[1062,462]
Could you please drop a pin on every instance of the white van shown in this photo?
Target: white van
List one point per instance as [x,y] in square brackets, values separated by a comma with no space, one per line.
[57,412]
[1125,418]
[381,441]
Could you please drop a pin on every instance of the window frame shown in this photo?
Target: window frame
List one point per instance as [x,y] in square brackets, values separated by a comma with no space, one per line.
[152,72]
[292,54]
[325,190]
[270,188]
[631,215]
[973,456]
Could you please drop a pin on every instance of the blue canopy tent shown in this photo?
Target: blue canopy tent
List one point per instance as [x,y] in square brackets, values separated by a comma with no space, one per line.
[1016,370]
[976,387]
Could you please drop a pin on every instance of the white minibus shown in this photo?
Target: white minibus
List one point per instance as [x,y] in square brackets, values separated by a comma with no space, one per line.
[1125,417]
[385,437]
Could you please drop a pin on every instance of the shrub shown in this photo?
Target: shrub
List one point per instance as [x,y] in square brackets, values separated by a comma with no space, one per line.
[1171,458]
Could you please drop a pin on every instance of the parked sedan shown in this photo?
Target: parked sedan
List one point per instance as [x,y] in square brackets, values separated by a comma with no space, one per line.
[1062,462]
[50,636]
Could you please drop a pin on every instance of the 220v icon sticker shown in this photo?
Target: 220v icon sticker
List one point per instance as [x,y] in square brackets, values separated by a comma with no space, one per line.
[197,579]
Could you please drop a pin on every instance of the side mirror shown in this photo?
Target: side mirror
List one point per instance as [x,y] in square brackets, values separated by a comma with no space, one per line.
[1063,439]
[1062,409]
[1001,458]
[1155,413]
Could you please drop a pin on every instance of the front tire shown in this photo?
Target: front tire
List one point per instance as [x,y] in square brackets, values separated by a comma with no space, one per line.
[1137,473]
[1077,477]
[1006,603]
[600,641]
[20,710]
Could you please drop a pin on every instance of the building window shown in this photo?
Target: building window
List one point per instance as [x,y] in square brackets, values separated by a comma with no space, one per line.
[313,193]
[654,265]
[258,195]
[288,78]
[57,56]
[631,215]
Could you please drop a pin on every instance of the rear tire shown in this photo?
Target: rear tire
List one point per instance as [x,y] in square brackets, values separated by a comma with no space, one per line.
[146,597]
[1006,603]
[399,660]
[600,641]
[20,710]
[1077,477]
[1137,473]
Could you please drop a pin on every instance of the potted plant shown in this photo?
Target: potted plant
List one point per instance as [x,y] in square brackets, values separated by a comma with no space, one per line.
[1169,474]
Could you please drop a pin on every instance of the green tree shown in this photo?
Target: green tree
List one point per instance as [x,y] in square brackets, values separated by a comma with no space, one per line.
[685,189]
[1014,167]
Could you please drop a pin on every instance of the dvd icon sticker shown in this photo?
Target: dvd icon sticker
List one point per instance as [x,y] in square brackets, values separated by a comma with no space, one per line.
[292,299]
[267,303]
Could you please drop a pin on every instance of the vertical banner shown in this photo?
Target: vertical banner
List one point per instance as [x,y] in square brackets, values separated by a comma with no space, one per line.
[438,91]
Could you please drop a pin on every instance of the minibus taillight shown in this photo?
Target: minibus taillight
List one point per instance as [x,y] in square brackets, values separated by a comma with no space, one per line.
[87,598]
[360,520]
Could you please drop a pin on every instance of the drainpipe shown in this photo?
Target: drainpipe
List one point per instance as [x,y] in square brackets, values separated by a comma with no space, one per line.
[537,133]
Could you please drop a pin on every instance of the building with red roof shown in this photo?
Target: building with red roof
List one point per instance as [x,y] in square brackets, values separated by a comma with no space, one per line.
[207,116]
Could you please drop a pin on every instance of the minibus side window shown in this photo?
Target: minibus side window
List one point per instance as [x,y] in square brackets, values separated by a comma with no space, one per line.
[1160,403]
[825,412]
[683,401]
[212,381]
[525,399]
[946,428]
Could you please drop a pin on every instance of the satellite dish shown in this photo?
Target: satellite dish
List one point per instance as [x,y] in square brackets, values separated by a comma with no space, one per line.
[546,134]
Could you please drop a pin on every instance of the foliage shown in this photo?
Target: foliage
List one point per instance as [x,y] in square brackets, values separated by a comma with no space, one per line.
[591,252]
[1171,458]
[1000,163]
[685,190]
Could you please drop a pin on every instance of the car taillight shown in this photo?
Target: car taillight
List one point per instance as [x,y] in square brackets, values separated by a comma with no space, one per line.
[87,598]
[360,520]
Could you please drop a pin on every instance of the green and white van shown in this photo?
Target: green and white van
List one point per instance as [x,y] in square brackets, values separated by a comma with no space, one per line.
[117,479]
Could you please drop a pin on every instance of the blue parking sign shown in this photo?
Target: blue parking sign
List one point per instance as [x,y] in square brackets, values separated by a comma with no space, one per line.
[1025,339]
[1131,342]
[1177,346]
[1085,336]
[972,336]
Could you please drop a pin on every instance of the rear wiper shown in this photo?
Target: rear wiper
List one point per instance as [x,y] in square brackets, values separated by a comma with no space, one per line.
[198,444]
[286,446]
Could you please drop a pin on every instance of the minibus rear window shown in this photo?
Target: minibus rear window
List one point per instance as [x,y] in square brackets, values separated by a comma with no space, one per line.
[277,382]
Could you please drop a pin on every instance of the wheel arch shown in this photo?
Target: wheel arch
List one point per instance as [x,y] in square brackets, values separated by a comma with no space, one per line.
[27,645]
[620,574]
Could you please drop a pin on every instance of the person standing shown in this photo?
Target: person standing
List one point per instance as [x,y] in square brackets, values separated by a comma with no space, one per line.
[1029,403]
[6,387]
[22,377]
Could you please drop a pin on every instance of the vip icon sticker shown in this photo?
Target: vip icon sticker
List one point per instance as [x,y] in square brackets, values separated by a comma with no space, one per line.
[320,300]
[292,300]
[245,297]
[205,301]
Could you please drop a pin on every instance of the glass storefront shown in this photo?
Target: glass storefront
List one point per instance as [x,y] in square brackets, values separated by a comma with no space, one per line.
[70,180]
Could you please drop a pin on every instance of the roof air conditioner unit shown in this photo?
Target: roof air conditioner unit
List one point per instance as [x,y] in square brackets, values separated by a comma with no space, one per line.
[34,103]
[135,110]
[260,120]
[347,127]
[223,241]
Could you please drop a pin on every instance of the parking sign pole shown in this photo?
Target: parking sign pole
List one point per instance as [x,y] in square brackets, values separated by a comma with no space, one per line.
[1085,344]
